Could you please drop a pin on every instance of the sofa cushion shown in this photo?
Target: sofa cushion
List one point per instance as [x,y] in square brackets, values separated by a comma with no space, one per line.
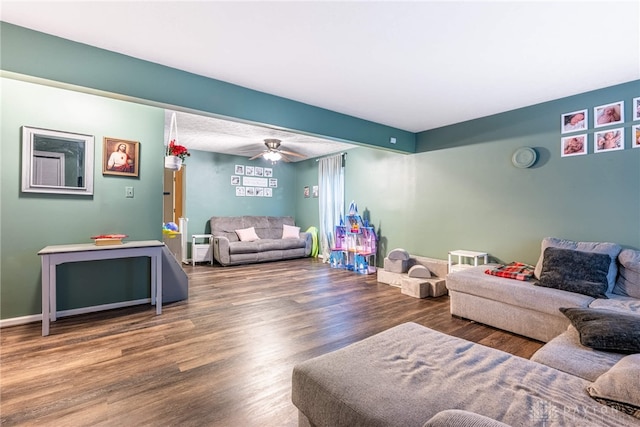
[566,354]
[618,303]
[628,283]
[575,271]
[611,249]
[290,232]
[474,281]
[604,329]
[620,386]
[425,372]
[247,234]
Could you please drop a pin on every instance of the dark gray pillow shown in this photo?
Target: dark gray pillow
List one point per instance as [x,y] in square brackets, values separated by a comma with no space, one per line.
[575,271]
[608,330]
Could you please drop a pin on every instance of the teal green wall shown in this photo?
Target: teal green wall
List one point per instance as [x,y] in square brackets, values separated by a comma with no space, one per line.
[462,192]
[307,210]
[209,191]
[37,54]
[29,222]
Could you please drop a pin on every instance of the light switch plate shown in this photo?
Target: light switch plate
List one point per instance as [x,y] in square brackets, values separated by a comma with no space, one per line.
[128,192]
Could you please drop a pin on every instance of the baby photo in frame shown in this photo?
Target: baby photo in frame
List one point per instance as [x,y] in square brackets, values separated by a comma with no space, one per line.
[636,109]
[608,114]
[574,121]
[608,140]
[120,157]
[575,145]
[635,134]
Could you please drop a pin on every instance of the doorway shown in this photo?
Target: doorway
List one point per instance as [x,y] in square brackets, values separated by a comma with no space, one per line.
[173,195]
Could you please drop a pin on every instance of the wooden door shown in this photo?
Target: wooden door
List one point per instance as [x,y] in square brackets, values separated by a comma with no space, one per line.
[173,195]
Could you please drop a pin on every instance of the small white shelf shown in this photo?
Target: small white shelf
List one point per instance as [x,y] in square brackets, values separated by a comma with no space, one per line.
[463,256]
[201,251]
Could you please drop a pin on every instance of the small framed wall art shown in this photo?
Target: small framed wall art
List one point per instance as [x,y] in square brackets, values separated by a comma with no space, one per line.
[608,140]
[120,157]
[608,114]
[575,145]
[574,121]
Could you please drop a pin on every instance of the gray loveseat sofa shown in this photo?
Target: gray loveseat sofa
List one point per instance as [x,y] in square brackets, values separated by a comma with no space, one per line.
[228,249]
[413,376]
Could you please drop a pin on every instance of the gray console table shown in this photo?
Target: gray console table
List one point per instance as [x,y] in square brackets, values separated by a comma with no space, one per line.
[52,256]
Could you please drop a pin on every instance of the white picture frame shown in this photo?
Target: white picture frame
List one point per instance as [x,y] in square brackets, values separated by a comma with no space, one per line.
[239,170]
[240,191]
[235,180]
[575,145]
[608,114]
[608,140]
[635,136]
[636,109]
[248,170]
[268,172]
[574,121]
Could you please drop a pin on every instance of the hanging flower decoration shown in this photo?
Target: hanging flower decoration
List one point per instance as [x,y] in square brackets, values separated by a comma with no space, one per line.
[177,150]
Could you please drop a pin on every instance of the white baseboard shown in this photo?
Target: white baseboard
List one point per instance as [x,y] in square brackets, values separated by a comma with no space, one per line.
[73,312]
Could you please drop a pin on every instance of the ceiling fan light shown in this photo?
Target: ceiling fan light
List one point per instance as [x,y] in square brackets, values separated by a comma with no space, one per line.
[272,156]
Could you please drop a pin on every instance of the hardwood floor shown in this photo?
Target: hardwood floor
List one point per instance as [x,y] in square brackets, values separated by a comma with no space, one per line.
[222,358]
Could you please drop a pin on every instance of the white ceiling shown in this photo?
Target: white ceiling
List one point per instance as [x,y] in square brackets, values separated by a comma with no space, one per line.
[414,65]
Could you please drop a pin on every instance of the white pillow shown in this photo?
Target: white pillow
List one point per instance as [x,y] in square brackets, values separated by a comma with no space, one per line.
[247,234]
[290,232]
[619,386]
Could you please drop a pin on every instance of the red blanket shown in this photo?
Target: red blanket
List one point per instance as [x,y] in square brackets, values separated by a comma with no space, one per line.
[514,270]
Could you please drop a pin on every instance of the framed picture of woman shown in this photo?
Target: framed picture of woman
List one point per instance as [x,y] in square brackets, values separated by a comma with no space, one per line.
[120,157]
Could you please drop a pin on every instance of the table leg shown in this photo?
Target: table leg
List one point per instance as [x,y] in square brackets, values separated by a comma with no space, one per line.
[45,295]
[158,281]
[53,294]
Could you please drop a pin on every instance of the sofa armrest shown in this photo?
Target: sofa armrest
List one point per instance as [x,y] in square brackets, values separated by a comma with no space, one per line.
[459,418]
[221,250]
[307,242]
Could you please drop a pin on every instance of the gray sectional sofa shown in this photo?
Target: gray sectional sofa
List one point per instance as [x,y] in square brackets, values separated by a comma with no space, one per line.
[267,243]
[410,375]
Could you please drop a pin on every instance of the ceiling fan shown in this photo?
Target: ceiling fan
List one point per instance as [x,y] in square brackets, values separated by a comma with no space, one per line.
[273,152]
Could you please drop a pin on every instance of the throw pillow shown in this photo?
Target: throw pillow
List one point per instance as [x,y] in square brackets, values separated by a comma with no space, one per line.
[575,271]
[607,330]
[290,232]
[247,234]
[611,249]
[619,387]
[628,283]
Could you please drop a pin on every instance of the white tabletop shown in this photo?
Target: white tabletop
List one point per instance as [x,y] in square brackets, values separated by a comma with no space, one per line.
[83,247]
[461,252]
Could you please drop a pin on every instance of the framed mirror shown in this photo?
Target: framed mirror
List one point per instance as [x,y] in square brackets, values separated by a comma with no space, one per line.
[56,162]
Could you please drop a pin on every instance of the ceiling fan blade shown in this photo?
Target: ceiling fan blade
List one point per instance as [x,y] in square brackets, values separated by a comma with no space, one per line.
[284,158]
[257,155]
[290,153]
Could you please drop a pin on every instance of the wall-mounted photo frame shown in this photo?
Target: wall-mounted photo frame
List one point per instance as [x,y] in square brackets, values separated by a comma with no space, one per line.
[315,191]
[240,191]
[235,180]
[636,109]
[306,192]
[574,121]
[608,114]
[248,170]
[120,157]
[239,170]
[575,145]
[250,191]
[608,140]
[258,171]
[268,172]
[57,162]
[635,134]
[273,182]
[268,192]
[259,192]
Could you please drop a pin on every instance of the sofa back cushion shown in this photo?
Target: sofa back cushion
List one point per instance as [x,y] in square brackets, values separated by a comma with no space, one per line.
[628,283]
[575,271]
[266,227]
[611,249]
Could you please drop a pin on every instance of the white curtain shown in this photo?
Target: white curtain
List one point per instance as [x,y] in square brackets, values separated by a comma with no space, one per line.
[331,200]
